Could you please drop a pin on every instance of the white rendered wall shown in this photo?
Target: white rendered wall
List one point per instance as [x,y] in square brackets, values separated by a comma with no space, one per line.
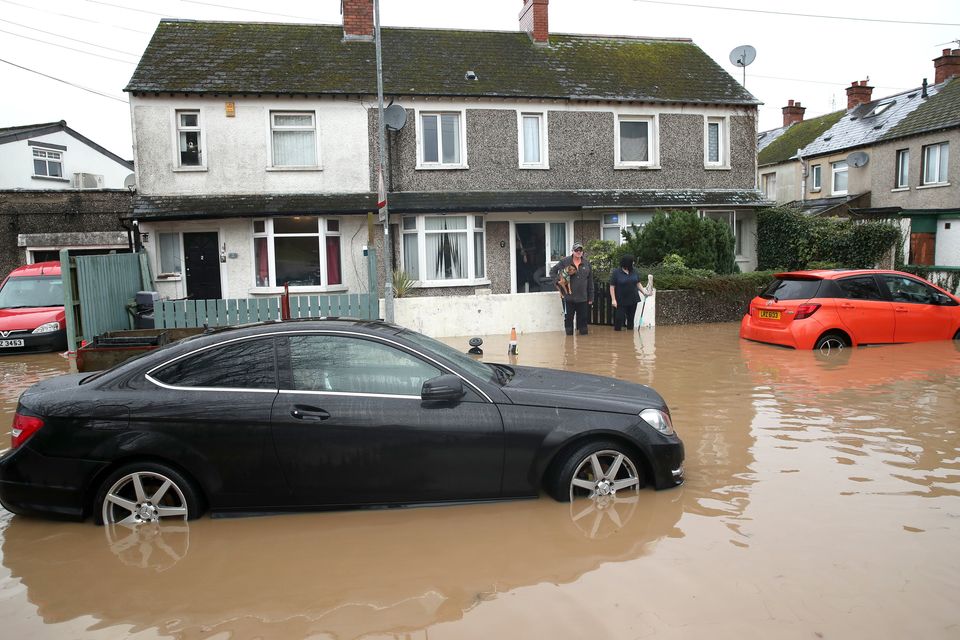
[947,251]
[236,149]
[16,164]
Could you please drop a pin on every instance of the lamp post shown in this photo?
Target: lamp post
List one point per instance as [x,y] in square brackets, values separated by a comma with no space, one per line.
[384,208]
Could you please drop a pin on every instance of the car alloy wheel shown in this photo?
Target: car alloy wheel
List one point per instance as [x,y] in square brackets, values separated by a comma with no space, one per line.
[599,471]
[830,343]
[146,493]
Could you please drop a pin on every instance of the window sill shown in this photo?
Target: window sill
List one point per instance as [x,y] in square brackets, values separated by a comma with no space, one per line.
[282,169]
[272,291]
[534,167]
[440,167]
[935,185]
[50,178]
[635,167]
[717,167]
[899,189]
[168,277]
[838,193]
[464,282]
[814,190]
[189,169]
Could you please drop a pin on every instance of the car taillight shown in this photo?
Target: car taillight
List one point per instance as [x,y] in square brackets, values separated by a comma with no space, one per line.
[806,310]
[23,428]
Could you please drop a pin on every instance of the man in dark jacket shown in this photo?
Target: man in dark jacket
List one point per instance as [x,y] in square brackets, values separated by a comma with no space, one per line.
[576,304]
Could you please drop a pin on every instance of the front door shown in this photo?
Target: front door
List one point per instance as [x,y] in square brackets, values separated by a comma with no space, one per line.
[539,245]
[201,257]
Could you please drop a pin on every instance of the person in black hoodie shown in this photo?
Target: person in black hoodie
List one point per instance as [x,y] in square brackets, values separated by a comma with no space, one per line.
[576,304]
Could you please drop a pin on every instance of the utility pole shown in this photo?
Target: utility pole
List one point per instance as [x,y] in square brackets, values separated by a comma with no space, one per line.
[381,188]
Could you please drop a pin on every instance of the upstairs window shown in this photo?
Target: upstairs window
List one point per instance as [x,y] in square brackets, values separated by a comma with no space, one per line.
[533,141]
[302,251]
[441,140]
[444,249]
[47,163]
[293,139]
[715,144]
[815,178]
[635,141]
[190,153]
[935,163]
[839,178]
[903,169]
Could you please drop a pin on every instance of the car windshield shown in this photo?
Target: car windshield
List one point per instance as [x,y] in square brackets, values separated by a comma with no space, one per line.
[461,360]
[37,291]
[791,289]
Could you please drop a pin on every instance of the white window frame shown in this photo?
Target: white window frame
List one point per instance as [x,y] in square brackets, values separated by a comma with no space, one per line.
[816,177]
[653,142]
[723,142]
[622,222]
[835,170]
[322,233]
[901,179]
[544,162]
[272,127]
[177,129]
[462,132]
[766,181]
[941,148]
[48,155]
[416,225]
[169,275]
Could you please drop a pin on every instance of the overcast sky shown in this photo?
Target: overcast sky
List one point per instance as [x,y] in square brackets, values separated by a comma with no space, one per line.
[95,44]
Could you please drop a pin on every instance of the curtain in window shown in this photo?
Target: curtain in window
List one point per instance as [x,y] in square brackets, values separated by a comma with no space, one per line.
[169,252]
[430,133]
[633,141]
[450,130]
[558,241]
[261,259]
[478,254]
[531,139]
[333,260]
[447,251]
[713,142]
[294,149]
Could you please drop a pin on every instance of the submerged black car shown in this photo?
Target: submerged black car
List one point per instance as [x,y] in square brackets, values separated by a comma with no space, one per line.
[322,414]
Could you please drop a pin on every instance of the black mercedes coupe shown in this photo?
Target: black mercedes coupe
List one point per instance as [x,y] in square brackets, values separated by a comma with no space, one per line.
[325,414]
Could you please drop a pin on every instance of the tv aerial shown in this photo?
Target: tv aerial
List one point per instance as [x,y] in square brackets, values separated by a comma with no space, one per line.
[741,57]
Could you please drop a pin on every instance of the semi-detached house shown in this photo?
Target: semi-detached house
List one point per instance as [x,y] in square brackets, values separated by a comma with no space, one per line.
[256,151]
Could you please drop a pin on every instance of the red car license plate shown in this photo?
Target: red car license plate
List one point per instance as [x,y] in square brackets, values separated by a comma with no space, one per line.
[5,344]
[770,315]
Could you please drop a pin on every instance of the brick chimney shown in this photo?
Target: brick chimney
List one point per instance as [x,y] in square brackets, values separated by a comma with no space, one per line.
[357,19]
[533,20]
[792,113]
[858,93]
[947,65]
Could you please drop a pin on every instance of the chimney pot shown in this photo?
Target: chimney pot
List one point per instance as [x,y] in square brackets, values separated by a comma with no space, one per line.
[533,20]
[947,65]
[858,93]
[793,112]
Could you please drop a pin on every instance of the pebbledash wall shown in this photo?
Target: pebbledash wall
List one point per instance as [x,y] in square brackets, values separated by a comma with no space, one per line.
[56,219]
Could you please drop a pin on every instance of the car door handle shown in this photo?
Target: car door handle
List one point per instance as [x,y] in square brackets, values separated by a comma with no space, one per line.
[847,305]
[305,412]
[900,309]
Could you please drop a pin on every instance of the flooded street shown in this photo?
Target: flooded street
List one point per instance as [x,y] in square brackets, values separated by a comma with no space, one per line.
[822,500]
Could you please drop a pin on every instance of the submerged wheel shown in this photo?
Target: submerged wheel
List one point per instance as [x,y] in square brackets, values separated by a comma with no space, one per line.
[146,492]
[831,342]
[597,470]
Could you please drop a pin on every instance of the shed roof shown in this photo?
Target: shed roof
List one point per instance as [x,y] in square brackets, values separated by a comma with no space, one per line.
[302,59]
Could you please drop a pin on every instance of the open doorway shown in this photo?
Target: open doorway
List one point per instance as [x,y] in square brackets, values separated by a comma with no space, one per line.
[538,246]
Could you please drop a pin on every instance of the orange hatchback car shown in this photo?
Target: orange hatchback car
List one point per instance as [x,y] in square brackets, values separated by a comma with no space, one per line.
[835,309]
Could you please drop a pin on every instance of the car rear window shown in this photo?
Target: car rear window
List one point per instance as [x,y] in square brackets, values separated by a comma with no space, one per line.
[791,289]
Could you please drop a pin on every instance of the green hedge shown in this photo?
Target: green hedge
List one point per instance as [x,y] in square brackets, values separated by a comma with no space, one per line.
[789,240]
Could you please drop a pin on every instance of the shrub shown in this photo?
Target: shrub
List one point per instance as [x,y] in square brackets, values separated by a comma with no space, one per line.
[703,243]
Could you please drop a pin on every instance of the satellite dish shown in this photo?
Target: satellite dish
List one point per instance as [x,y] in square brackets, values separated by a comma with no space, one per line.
[743,55]
[130,182]
[395,117]
[858,159]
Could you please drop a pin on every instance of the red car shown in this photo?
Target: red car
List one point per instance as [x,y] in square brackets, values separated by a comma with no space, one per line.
[31,309]
[835,309]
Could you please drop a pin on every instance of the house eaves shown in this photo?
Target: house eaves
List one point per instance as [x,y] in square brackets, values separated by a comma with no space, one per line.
[229,58]
[26,132]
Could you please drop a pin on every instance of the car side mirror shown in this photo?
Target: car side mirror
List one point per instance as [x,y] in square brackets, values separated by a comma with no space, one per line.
[443,388]
[942,299]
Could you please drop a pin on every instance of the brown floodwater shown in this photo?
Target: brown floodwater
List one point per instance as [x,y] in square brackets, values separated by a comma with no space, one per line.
[822,501]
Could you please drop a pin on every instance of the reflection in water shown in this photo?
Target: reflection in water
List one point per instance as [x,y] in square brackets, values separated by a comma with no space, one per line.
[345,574]
[821,500]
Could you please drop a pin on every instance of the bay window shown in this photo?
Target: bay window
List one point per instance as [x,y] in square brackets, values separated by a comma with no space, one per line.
[443,249]
[302,251]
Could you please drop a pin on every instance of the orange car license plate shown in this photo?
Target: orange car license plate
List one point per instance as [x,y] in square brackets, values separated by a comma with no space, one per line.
[770,315]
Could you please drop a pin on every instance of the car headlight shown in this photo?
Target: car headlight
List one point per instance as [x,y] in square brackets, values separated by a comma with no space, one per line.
[47,327]
[659,420]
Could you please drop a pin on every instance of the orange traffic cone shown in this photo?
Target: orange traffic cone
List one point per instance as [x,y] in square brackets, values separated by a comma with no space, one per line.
[512,348]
